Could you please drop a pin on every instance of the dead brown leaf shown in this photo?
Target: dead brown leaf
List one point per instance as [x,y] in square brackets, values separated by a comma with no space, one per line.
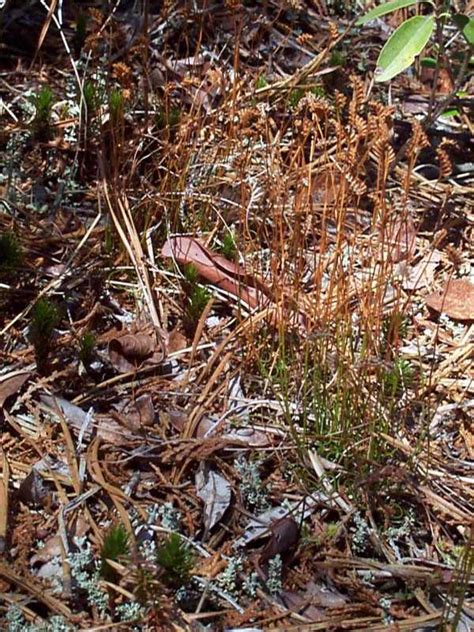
[249,436]
[129,351]
[218,270]
[401,239]
[284,540]
[456,299]
[11,384]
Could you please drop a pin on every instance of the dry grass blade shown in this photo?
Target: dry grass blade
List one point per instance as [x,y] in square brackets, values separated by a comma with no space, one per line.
[4,506]
[36,590]
[132,244]
[45,28]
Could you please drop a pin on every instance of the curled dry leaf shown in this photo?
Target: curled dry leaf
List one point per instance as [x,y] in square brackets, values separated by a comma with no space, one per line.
[285,535]
[456,299]
[10,384]
[249,436]
[136,414]
[128,352]
[218,270]
[215,491]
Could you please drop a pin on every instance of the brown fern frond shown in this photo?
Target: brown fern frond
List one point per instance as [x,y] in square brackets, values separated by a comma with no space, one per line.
[419,139]
[358,90]
[340,100]
[445,164]
[304,38]
[360,126]
[355,184]
[333,32]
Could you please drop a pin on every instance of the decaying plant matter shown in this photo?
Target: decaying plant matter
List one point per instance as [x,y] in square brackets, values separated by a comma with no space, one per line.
[237,328]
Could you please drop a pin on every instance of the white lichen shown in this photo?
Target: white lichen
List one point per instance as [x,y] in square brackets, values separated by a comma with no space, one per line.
[274,581]
[85,572]
[254,494]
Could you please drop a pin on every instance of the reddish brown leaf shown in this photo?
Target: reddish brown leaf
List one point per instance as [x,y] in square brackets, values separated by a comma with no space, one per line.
[401,239]
[456,300]
[217,270]
[177,341]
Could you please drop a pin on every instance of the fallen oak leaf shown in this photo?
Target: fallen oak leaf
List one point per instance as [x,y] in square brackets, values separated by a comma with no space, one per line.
[456,300]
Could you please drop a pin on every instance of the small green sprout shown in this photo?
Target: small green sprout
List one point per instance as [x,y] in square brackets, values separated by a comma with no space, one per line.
[197,299]
[295,97]
[92,97]
[398,378]
[338,58]
[116,106]
[318,91]
[228,248]
[43,102]
[261,82]
[176,559]
[44,319]
[168,118]
[116,545]
[86,348]
[11,254]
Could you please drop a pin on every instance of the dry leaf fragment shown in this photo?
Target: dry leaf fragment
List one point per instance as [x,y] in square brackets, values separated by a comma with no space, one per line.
[284,540]
[33,490]
[401,239]
[146,410]
[215,491]
[11,384]
[301,605]
[218,270]
[420,275]
[246,435]
[456,300]
[79,420]
[136,414]
[129,351]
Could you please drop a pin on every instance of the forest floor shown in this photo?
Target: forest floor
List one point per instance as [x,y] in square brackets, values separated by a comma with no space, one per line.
[237,323]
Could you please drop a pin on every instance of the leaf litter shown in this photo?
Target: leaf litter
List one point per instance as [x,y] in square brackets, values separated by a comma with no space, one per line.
[329,343]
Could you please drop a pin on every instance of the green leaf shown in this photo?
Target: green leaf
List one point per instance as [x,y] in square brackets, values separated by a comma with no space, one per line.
[383,9]
[428,62]
[403,46]
[466,25]
[450,113]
